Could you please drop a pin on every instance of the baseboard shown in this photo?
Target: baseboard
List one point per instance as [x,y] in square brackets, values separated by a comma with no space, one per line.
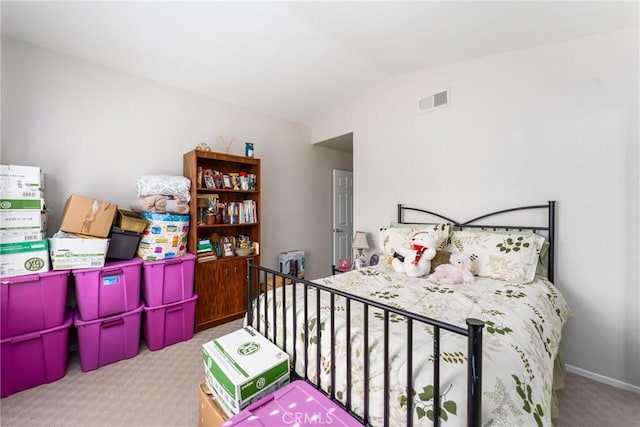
[602,379]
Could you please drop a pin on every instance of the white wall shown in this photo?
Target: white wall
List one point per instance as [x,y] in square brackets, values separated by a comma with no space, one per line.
[557,122]
[94,130]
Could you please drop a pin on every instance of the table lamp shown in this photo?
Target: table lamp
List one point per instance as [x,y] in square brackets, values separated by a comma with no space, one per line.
[360,243]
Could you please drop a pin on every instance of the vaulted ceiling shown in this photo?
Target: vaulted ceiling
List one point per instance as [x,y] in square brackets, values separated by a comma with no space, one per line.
[297,60]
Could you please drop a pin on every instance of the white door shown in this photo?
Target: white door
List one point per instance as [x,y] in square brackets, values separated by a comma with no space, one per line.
[342,214]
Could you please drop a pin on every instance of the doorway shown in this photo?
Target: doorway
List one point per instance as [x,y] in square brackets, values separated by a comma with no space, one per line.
[342,214]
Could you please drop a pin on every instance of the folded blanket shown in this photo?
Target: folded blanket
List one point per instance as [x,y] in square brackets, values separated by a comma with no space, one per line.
[165,185]
[161,204]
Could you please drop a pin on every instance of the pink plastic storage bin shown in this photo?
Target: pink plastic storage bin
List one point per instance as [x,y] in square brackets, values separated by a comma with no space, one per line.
[168,280]
[108,290]
[35,358]
[169,324]
[298,403]
[33,303]
[109,339]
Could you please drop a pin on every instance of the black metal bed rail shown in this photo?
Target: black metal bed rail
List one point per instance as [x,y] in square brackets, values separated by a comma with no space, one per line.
[549,227]
[261,281]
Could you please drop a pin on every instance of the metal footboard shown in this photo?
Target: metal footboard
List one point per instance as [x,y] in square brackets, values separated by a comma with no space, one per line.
[262,281]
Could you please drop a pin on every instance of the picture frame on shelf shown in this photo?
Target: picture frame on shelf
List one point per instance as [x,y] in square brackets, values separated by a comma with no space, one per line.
[227,249]
[217,179]
[226,180]
[208,179]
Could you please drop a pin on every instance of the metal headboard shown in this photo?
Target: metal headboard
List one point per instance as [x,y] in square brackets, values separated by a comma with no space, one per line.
[549,228]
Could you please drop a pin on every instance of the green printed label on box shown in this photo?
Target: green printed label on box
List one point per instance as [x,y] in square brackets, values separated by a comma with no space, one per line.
[13,204]
[20,247]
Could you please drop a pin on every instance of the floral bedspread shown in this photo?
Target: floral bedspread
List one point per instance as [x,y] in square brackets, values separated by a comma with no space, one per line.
[523,324]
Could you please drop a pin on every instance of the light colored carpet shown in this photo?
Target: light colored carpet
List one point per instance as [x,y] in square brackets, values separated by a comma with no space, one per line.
[160,388]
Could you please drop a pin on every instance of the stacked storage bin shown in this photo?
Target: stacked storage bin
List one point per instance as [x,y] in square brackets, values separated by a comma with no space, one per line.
[109,311]
[34,330]
[170,304]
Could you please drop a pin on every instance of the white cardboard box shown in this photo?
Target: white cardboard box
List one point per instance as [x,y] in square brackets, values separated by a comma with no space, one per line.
[25,180]
[243,366]
[23,220]
[68,253]
[22,258]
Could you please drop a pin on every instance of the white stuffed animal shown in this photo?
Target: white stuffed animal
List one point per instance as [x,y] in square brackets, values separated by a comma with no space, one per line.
[457,271]
[416,261]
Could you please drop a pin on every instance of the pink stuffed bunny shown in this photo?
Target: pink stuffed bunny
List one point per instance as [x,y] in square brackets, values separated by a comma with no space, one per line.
[457,271]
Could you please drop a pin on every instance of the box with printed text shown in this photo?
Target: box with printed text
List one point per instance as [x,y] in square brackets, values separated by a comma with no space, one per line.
[243,366]
[21,181]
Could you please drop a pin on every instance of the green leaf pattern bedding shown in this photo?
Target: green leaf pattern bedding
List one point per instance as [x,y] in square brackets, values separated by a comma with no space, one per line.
[520,342]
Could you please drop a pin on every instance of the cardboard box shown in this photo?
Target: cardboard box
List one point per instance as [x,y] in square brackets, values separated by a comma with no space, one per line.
[287,261]
[18,204]
[87,216]
[131,221]
[210,413]
[243,366]
[68,252]
[22,258]
[23,220]
[27,181]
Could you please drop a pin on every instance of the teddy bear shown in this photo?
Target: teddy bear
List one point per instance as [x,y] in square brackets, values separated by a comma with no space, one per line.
[416,261]
[457,271]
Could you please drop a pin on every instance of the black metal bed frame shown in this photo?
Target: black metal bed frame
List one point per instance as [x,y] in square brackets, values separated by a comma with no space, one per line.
[261,280]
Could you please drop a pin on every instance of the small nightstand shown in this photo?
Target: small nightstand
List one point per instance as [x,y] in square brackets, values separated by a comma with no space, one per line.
[337,270]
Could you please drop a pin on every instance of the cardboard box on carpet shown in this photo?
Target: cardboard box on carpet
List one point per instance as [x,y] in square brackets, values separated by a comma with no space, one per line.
[210,413]
[87,216]
[243,366]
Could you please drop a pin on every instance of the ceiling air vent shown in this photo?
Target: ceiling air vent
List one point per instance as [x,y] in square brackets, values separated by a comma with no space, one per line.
[431,102]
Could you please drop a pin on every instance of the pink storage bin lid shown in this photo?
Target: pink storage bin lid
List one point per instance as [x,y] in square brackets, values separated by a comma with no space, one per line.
[185,257]
[296,404]
[32,277]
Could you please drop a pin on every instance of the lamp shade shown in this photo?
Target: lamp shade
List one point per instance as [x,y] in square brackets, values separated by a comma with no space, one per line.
[360,240]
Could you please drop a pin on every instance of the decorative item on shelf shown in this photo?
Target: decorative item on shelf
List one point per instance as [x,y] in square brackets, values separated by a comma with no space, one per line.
[203,205]
[227,145]
[360,243]
[248,149]
[203,146]
[244,181]
[244,245]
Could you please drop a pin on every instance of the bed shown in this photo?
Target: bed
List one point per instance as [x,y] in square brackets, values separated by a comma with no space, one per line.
[394,350]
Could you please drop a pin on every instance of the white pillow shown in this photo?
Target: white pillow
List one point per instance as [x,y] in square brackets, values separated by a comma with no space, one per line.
[509,256]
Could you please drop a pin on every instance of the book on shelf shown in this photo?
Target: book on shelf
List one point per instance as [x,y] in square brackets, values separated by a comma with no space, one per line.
[204,245]
[208,257]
